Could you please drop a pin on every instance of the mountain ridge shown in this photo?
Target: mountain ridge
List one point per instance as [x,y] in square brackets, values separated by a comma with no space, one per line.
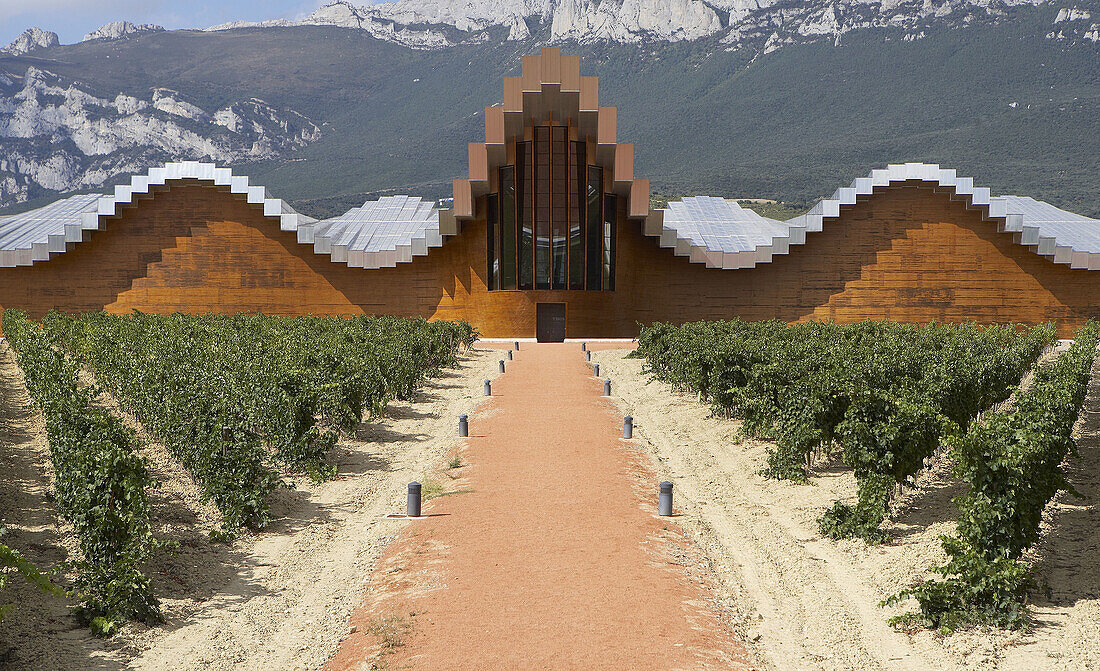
[1002,101]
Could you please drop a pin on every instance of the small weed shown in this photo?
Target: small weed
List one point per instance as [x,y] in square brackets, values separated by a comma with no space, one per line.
[390,632]
[455,462]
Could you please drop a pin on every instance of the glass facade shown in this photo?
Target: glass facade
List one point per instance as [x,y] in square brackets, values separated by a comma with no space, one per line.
[550,225]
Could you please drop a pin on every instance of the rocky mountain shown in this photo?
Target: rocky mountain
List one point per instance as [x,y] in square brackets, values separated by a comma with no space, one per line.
[29,40]
[119,29]
[56,136]
[769,98]
[761,24]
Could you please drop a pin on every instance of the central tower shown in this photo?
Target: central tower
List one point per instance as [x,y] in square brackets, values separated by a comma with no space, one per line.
[551,182]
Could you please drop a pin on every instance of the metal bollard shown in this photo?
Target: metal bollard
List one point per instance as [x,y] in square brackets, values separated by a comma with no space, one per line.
[413,508]
[463,426]
[584,347]
[596,370]
[664,499]
[488,388]
[509,355]
[501,362]
[628,427]
[587,355]
[607,387]
[517,345]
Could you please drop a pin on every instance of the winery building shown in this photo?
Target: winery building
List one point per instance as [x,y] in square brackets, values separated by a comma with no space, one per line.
[552,234]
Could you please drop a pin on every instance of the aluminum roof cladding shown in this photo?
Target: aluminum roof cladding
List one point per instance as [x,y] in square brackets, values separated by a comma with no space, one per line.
[394,229]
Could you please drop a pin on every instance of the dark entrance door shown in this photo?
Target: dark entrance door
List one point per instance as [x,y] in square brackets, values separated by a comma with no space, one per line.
[550,322]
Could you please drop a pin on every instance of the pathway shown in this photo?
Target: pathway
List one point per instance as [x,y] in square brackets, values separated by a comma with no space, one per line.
[549,554]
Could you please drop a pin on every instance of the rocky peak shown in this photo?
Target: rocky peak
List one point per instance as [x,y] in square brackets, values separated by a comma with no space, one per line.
[55,136]
[29,40]
[762,24]
[119,29]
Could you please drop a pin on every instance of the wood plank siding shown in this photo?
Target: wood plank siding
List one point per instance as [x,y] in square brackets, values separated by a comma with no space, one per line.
[906,253]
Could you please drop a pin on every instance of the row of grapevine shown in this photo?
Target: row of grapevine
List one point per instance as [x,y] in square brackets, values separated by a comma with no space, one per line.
[12,559]
[1012,464]
[885,393]
[236,398]
[100,481]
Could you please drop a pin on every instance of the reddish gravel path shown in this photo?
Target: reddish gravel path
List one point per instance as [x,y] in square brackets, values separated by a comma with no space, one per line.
[554,560]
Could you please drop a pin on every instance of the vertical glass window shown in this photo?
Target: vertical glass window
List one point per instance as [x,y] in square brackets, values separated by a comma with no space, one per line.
[595,227]
[609,212]
[559,199]
[507,245]
[526,208]
[578,198]
[492,236]
[542,207]
[551,226]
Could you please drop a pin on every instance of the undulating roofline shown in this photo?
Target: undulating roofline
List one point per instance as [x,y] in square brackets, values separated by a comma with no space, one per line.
[372,236]
[724,236]
[713,231]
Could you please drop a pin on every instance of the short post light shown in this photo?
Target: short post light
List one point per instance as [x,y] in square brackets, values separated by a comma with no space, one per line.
[488,388]
[501,362]
[463,426]
[607,387]
[628,427]
[664,499]
[413,507]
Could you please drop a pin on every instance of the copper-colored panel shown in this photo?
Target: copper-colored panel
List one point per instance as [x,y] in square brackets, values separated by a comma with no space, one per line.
[639,198]
[464,201]
[551,65]
[532,73]
[494,125]
[590,93]
[570,72]
[624,162]
[607,125]
[513,94]
[479,165]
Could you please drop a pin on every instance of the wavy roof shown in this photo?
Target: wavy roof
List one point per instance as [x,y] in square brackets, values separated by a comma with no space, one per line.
[378,234]
[713,231]
[724,237]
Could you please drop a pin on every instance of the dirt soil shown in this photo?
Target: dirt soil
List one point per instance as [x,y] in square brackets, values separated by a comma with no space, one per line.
[277,599]
[547,553]
[812,603]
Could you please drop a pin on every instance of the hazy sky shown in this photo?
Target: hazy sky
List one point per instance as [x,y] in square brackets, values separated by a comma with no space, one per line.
[72,19]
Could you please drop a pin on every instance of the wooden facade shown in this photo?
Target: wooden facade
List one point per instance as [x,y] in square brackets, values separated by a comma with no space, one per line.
[908,252]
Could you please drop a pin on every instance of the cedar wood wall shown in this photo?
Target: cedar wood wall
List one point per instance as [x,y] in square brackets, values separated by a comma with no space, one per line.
[907,253]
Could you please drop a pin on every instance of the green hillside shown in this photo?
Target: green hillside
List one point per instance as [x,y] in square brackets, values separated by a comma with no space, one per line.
[792,125]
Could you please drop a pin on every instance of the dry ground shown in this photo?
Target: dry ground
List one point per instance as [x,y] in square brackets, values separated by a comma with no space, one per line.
[812,603]
[278,599]
[549,555]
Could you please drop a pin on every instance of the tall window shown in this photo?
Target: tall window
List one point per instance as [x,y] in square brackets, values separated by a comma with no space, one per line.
[507,235]
[577,186]
[551,226]
[492,242]
[525,208]
[594,215]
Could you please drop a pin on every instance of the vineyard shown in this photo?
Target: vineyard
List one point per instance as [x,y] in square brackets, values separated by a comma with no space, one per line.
[888,401]
[239,401]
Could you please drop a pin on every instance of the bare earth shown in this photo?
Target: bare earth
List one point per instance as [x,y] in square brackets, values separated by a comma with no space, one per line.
[549,554]
[278,599]
[812,603]
[283,598]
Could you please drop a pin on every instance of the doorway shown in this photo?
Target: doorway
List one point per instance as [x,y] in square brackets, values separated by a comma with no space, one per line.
[550,322]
